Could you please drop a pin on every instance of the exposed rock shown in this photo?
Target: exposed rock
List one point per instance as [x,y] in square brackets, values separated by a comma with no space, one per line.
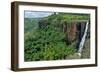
[74,56]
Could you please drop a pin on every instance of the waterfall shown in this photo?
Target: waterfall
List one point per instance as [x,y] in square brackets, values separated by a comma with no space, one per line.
[83,39]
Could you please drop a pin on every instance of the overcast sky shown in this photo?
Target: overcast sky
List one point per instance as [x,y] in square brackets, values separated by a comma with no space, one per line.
[36,14]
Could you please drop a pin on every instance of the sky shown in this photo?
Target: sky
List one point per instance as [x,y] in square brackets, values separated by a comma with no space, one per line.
[36,14]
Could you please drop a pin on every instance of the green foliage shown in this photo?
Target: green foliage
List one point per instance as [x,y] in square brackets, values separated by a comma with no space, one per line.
[69,17]
[44,47]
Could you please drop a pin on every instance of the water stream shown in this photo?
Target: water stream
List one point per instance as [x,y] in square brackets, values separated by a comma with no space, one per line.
[83,38]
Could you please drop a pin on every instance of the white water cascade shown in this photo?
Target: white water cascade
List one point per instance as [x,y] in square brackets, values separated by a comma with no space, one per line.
[83,39]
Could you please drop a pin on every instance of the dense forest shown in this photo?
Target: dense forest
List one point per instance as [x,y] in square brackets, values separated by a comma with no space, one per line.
[55,37]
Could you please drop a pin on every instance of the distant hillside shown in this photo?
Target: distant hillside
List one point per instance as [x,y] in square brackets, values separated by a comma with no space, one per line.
[30,23]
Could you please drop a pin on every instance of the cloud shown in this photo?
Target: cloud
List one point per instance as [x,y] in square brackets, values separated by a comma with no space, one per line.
[36,14]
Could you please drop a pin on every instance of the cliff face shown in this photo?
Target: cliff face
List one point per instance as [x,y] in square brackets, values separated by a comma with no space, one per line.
[71,31]
[74,31]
